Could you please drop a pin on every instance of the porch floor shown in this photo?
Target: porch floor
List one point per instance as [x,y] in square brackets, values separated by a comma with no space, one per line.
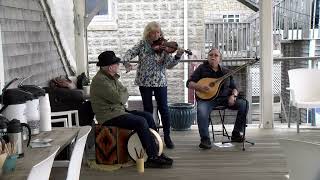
[264,161]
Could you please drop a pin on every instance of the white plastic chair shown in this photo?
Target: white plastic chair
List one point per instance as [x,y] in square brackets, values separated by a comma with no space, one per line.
[68,119]
[64,120]
[77,154]
[304,90]
[42,170]
[74,165]
[303,159]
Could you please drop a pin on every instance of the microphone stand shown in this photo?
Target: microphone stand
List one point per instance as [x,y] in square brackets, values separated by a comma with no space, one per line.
[244,129]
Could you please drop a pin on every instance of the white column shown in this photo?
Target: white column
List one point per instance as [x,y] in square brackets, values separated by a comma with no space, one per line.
[185,44]
[80,36]
[1,64]
[266,62]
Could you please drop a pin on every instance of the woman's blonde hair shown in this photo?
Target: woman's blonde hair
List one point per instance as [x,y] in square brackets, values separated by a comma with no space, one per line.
[151,26]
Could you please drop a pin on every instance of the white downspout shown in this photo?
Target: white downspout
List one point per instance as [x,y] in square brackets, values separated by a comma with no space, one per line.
[266,62]
[2,82]
[185,45]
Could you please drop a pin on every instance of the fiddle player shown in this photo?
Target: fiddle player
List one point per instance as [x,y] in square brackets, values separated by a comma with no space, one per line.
[151,73]
[227,96]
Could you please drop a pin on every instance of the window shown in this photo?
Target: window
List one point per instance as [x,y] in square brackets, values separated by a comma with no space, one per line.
[91,4]
[106,18]
[231,18]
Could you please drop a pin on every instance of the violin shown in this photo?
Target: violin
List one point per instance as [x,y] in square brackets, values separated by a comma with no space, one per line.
[163,44]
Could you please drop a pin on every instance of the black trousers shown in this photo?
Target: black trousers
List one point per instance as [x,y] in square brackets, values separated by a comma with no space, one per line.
[140,122]
[160,93]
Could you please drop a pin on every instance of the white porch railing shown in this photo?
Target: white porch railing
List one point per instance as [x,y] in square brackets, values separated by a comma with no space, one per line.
[233,39]
[296,19]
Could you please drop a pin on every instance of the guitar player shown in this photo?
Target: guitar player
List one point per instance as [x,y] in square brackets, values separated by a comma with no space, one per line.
[226,96]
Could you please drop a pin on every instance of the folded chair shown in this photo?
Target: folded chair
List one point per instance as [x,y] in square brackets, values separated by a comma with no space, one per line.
[224,132]
[222,111]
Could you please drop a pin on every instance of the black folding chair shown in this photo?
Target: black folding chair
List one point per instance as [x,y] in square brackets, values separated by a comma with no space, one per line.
[223,132]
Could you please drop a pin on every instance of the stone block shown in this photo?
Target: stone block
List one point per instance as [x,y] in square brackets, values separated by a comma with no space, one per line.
[165,7]
[146,7]
[151,15]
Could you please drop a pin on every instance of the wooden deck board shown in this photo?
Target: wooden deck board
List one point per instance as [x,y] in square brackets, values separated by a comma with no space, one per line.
[264,161]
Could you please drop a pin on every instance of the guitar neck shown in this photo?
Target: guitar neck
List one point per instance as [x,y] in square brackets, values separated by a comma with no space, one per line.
[233,72]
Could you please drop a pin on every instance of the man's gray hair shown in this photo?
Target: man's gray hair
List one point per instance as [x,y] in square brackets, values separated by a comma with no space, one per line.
[215,48]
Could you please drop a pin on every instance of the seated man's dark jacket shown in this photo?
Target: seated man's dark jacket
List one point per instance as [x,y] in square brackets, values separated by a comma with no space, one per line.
[205,71]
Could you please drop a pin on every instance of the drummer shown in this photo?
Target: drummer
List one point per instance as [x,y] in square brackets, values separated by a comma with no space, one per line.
[108,98]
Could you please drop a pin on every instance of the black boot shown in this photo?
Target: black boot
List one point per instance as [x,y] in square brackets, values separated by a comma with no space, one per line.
[168,142]
[156,162]
[169,160]
[205,143]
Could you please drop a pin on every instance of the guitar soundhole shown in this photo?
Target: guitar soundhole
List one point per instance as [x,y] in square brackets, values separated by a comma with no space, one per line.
[212,84]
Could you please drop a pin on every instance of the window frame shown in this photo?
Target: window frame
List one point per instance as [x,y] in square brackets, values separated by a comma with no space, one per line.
[106,22]
[227,17]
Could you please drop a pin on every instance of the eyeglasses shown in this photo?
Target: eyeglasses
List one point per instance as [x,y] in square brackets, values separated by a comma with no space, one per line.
[215,55]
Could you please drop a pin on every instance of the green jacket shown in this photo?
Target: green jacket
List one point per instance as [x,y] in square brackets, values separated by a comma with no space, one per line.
[108,96]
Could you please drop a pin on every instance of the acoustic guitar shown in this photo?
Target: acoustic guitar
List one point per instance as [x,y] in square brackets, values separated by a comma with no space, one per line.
[215,83]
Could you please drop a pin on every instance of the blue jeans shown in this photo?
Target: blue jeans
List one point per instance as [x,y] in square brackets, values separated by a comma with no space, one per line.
[160,93]
[140,122]
[204,109]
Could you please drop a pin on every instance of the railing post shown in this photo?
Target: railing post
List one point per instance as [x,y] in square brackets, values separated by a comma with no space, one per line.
[249,94]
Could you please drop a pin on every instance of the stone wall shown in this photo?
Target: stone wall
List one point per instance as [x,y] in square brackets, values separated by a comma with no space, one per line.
[214,10]
[132,18]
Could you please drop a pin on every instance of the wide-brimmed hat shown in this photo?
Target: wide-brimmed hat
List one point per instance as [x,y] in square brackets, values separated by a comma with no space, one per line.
[107,58]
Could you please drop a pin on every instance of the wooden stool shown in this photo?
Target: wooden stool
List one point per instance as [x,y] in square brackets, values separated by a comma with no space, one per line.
[111,145]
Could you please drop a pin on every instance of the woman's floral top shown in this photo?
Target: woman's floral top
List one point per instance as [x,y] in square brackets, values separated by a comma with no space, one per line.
[151,71]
